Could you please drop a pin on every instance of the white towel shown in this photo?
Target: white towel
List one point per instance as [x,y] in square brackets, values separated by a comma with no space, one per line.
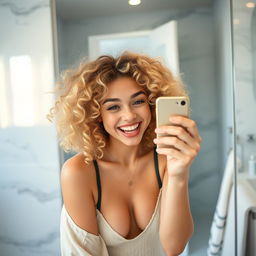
[220,215]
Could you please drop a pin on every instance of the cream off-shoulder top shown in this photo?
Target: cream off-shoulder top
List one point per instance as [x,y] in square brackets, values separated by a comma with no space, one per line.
[77,241]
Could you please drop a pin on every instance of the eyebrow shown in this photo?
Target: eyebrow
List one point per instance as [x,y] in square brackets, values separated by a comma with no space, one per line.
[117,99]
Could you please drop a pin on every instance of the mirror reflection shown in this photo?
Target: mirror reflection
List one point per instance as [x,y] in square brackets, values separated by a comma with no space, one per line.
[191,38]
[95,30]
[244,64]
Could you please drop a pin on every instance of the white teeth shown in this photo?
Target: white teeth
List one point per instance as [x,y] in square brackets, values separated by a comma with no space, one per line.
[130,128]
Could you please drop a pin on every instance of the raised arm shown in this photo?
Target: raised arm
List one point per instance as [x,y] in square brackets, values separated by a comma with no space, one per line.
[176,222]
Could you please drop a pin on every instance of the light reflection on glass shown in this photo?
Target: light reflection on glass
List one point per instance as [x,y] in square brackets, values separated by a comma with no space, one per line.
[23,109]
[3,97]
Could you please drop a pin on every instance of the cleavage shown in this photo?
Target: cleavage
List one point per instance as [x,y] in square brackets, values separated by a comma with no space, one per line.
[126,217]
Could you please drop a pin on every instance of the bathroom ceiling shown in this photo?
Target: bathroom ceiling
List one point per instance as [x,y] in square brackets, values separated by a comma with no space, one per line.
[81,9]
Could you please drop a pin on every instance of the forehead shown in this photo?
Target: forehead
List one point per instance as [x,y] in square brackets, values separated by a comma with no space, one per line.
[122,86]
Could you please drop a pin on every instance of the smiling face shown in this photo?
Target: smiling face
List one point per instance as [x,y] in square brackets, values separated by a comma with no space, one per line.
[125,111]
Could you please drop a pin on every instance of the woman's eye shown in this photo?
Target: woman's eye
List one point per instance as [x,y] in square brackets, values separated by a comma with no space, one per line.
[139,102]
[113,107]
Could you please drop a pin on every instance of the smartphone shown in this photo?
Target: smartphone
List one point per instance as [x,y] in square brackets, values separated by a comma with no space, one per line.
[170,106]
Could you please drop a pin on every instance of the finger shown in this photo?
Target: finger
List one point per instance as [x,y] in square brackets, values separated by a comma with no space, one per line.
[175,142]
[189,124]
[178,131]
[170,152]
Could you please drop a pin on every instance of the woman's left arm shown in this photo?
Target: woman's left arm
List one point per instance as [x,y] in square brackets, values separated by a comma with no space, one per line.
[182,146]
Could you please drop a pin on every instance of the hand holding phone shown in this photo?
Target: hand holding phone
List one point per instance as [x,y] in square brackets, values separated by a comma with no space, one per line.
[170,106]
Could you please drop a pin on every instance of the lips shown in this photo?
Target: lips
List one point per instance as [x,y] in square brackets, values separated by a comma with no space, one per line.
[134,127]
[128,125]
[131,133]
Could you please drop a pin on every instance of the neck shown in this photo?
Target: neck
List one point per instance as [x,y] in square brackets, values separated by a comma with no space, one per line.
[124,155]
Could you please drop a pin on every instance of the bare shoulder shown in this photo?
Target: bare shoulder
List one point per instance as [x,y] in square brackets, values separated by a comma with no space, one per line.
[76,168]
[76,184]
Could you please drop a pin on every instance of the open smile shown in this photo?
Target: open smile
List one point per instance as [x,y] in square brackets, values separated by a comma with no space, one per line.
[131,131]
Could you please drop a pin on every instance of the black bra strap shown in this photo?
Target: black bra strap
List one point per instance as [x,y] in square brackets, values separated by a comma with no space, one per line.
[157,169]
[98,177]
[98,183]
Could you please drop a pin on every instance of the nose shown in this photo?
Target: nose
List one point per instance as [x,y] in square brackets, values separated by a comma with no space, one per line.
[129,114]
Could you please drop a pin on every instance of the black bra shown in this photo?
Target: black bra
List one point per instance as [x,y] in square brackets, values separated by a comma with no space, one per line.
[98,177]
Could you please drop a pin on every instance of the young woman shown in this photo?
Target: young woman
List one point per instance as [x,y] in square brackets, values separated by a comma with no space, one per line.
[121,195]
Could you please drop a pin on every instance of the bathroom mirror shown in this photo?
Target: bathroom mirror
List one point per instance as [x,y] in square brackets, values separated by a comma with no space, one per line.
[36,34]
[244,45]
[203,33]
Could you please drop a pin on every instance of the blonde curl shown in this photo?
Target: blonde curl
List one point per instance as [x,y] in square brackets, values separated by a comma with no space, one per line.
[77,109]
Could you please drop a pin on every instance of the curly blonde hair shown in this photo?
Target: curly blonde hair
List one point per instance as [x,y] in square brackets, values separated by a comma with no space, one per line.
[77,109]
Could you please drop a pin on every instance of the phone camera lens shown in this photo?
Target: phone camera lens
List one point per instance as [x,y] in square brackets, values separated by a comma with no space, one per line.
[183,102]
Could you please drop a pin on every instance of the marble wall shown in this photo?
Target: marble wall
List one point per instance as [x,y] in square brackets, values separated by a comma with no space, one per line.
[197,62]
[224,75]
[30,195]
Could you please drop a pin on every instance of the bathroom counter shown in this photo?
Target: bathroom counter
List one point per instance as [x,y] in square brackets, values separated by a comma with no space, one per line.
[246,200]
[247,190]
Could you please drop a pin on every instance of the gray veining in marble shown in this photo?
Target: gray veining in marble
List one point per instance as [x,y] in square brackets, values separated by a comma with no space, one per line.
[24,7]
[34,192]
[30,195]
[30,244]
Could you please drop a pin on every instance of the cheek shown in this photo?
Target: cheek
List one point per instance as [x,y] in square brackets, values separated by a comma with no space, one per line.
[149,112]
[108,122]
[146,112]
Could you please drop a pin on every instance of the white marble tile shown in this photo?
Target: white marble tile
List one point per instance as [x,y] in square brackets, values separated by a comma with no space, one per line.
[30,196]
[30,208]
[196,52]
[27,145]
